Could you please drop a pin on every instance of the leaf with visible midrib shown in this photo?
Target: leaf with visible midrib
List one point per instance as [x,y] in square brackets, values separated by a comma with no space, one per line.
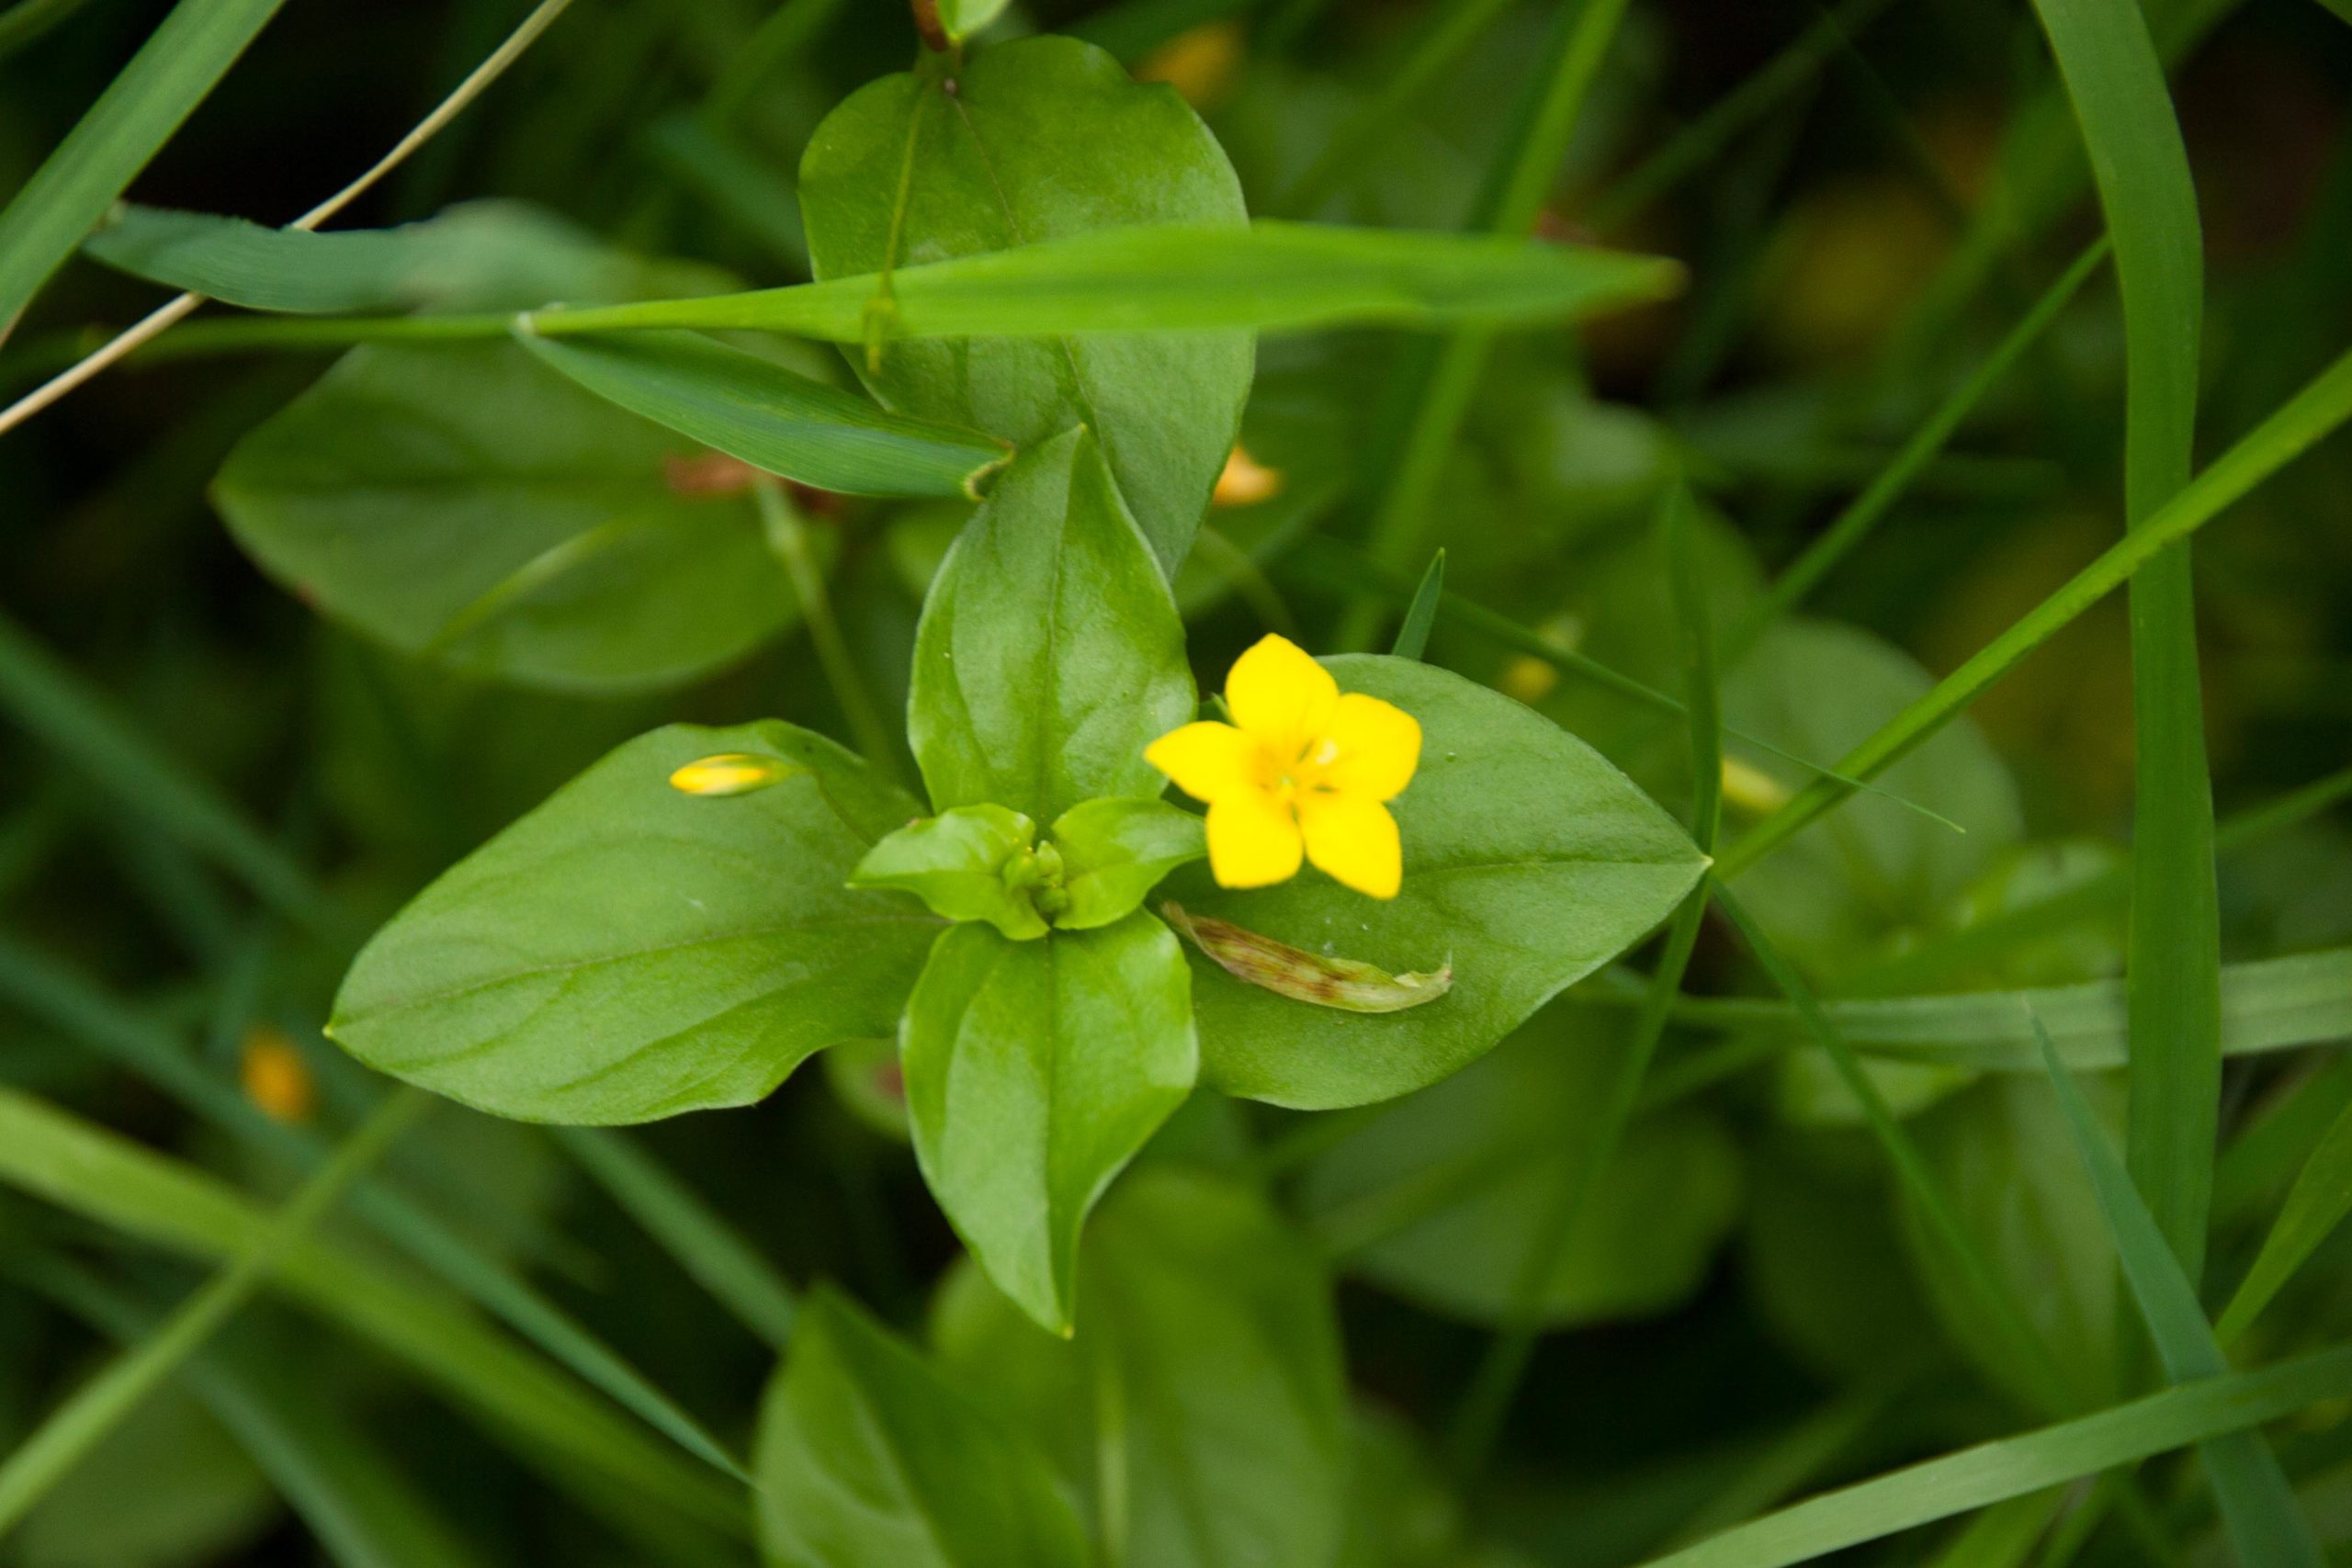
[1035,140]
[626,951]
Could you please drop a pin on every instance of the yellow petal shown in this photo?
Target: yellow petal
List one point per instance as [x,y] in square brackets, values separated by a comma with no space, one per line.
[1280,694]
[1351,838]
[1378,745]
[1209,761]
[1253,841]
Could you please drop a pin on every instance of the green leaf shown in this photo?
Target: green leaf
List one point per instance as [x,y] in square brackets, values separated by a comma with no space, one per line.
[960,863]
[776,419]
[2116,82]
[172,72]
[2257,1506]
[1203,1406]
[2001,1155]
[1034,1070]
[907,171]
[2315,1205]
[1840,896]
[1529,863]
[468,504]
[1115,851]
[962,18]
[165,1489]
[2011,1467]
[868,1458]
[1445,1198]
[626,951]
[478,255]
[1050,653]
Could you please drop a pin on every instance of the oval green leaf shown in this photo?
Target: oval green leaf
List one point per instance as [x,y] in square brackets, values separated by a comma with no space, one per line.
[1529,863]
[921,167]
[1034,1070]
[1050,653]
[626,951]
[465,503]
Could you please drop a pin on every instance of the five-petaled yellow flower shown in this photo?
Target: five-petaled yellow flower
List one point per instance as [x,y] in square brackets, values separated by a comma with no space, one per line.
[1302,764]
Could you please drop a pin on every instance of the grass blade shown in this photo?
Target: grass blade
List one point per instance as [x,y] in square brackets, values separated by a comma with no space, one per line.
[2257,1506]
[2003,1316]
[137,114]
[2112,74]
[578,1439]
[54,993]
[50,701]
[705,1245]
[1854,522]
[1496,1382]
[365,1512]
[1413,632]
[2032,1461]
[2269,1004]
[2315,1205]
[94,1409]
[2305,418]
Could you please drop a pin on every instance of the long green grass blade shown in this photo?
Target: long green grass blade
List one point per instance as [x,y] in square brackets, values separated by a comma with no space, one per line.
[50,991]
[99,1407]
[137,114]
[2257,1506]
[53,704]
[2315,1205]
[24,23]
[365,1512]
[2311,413]
[1269,276]
[2005,1535]
[2112,74]
[2012,1467]
[578,1439]
[2269,1004]
[714,1252]
[774,418]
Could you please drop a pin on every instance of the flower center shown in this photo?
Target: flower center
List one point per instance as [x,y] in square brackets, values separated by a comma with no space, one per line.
[1287,775]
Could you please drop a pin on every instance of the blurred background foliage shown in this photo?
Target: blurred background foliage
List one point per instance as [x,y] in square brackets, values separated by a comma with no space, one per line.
[1746,1311]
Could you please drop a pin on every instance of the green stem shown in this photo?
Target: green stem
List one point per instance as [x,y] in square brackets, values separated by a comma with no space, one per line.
[788,537]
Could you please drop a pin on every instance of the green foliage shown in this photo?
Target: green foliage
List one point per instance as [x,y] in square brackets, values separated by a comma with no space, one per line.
[1049,653]
[722,949]
[467,505]
[868,1458]
[961,864]
[1114,852]
[1530,862]
[1201,1404]
[904,173]
[1034,1071]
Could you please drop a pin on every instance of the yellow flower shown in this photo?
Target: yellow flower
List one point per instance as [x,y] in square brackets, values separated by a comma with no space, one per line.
[1303,765]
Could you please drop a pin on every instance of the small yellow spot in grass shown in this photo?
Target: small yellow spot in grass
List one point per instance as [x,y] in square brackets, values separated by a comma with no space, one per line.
[276,1077]
[1200,65]
[1304,771]
[1752,789]
[1246,481]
